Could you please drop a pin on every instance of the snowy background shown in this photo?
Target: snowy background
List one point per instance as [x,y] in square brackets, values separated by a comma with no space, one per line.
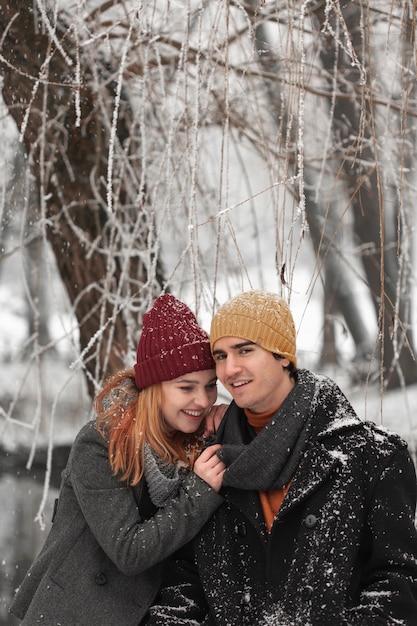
[53,386]
[66,405]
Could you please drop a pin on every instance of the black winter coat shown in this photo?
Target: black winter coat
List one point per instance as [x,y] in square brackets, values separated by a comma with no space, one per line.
[103,560]
[343,548]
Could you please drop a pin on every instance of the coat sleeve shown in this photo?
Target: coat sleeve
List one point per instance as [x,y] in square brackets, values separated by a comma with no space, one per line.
[389,582]
[110,510]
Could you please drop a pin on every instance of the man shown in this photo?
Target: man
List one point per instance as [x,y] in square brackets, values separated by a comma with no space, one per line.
[317,524]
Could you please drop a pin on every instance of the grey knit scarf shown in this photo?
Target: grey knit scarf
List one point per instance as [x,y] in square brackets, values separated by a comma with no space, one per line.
[271,458]
[163,478]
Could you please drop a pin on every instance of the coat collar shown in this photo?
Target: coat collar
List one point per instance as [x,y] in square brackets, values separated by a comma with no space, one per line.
[249,504]
[316,466]
[330,414]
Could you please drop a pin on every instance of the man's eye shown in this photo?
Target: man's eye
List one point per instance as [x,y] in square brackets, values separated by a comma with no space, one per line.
[219,357]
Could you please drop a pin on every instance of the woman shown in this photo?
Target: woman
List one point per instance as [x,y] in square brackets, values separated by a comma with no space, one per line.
[137,486]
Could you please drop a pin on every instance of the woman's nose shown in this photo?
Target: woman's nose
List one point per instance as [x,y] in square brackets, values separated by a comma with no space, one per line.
[202,399]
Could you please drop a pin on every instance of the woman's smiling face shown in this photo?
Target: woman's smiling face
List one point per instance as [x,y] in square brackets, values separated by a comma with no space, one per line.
[187,400]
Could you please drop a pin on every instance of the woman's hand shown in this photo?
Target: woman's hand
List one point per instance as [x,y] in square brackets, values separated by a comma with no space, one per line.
[214,418]
[209,467]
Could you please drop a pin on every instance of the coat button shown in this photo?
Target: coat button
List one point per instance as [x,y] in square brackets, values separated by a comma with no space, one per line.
[310,520]
[101,579]
[306,592]
[242,530]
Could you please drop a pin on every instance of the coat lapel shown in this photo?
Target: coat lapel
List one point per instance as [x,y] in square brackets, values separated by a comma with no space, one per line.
[248,503]
[315,467]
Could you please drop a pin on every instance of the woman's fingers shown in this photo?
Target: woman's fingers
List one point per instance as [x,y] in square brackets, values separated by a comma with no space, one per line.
[214,418]
[210,468]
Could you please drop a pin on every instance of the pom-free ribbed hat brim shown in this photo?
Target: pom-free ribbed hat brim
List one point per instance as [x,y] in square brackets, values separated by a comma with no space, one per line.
[178,362]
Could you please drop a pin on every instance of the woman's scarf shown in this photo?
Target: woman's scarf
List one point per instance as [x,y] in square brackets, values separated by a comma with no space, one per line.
[162,477]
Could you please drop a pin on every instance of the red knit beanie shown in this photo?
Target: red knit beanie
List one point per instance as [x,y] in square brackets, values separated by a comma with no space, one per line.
[171,344]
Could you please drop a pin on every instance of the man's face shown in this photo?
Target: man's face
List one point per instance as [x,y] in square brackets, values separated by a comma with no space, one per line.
[255,379]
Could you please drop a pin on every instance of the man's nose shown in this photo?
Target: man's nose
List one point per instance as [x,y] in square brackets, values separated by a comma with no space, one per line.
[231,366]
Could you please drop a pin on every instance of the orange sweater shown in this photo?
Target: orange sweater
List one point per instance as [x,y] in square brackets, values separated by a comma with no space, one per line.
[270,500]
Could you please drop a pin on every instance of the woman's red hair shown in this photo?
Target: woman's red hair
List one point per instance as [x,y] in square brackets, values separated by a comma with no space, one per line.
[127,418]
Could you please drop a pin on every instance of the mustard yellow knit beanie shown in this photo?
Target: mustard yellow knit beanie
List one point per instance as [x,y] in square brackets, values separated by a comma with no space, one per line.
[258,316]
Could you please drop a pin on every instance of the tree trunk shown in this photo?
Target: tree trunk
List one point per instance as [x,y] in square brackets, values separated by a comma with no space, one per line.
[68,151]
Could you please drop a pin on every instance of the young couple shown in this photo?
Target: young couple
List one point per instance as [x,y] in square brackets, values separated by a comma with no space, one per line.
[300,513]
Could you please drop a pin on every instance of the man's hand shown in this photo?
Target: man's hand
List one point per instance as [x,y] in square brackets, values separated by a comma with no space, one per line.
[214,418]
[209,467]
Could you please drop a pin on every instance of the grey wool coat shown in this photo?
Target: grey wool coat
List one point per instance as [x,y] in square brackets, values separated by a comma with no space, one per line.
[343,548]
[103,560]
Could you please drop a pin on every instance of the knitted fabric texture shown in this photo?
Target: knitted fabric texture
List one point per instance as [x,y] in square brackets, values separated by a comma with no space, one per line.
[171,344]
[163,478]
[271,458]
[258,316]
[123,395]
